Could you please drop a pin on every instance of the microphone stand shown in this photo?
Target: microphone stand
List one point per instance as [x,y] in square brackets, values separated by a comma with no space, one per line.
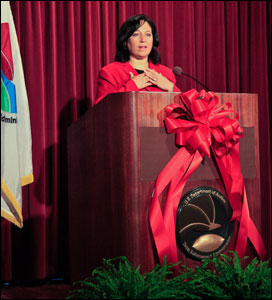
[196,80]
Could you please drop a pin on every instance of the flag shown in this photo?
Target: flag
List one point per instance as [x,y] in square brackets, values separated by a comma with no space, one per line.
[16,142]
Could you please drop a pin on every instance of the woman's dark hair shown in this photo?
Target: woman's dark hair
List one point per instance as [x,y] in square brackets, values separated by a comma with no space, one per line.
[126,31]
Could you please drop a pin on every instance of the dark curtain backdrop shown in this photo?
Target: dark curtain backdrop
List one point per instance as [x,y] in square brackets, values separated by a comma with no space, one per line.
[225,44]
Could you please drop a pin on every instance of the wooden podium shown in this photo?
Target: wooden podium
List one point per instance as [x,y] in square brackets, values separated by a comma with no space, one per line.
[115,152]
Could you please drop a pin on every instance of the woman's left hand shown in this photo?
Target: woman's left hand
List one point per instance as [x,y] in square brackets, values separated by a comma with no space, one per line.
[159,80]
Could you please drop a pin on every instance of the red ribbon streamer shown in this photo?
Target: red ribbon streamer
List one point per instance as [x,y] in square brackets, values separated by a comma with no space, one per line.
[200,126]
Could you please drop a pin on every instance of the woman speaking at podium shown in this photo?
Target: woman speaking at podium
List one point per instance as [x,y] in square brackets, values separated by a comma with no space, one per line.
[137,62]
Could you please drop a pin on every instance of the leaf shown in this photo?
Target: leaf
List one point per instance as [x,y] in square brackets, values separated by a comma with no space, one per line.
[221,277]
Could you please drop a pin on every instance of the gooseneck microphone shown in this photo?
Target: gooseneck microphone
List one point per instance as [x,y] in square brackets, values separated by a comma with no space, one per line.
[178,71]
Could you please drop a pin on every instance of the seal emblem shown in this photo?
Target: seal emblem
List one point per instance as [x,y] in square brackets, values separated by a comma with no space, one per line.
[203,229]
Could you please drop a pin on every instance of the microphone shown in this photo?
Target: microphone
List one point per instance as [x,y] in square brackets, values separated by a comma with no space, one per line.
[178,71]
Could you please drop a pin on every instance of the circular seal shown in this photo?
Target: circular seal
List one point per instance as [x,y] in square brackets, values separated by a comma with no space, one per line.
[203,229]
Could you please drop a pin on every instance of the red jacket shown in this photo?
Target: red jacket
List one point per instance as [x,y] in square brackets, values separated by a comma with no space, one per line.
[114,78]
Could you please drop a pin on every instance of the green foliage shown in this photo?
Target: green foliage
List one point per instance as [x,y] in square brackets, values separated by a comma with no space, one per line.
[124,282]
[226,279]
[221,277]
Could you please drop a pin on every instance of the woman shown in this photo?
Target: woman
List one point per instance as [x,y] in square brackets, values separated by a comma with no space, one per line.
[136,66]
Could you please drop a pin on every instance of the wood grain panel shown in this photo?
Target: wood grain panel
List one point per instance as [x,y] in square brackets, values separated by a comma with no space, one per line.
[246,106]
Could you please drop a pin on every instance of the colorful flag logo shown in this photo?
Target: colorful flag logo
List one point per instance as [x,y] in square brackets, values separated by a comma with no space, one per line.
[16,142]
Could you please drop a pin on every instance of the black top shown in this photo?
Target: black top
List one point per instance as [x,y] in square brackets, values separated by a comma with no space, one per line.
[139,71]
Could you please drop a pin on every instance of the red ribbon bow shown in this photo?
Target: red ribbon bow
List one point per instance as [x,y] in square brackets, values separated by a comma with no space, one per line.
[203,125]
[200,126]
